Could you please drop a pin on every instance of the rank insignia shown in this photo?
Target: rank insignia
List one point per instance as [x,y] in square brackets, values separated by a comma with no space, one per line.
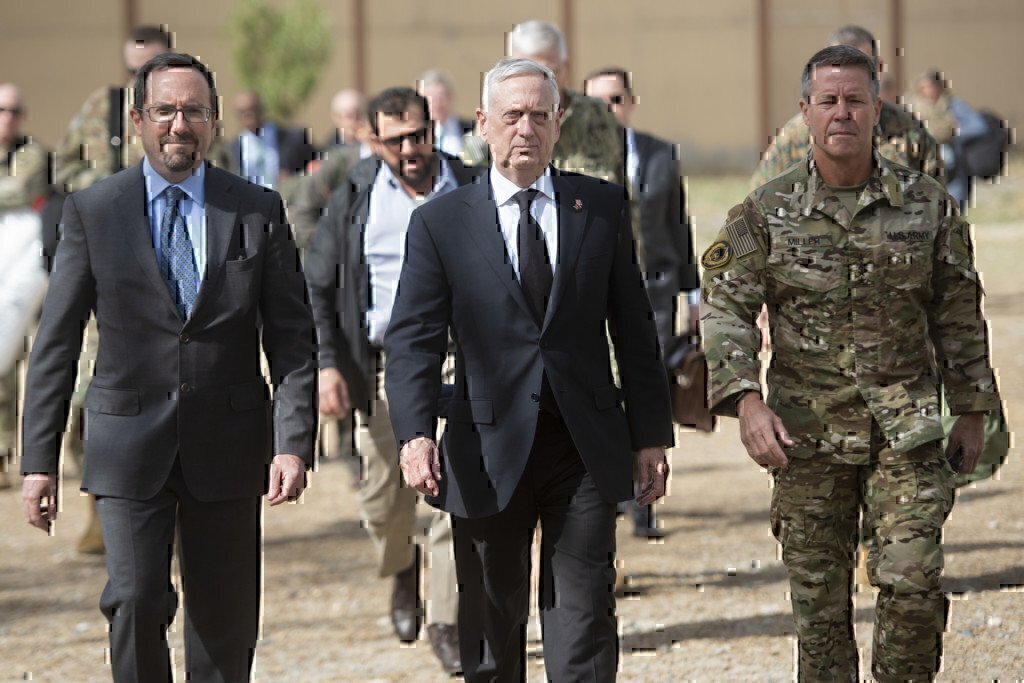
[717,255]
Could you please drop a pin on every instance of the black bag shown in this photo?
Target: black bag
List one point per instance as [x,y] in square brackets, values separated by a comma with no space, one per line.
[985,156]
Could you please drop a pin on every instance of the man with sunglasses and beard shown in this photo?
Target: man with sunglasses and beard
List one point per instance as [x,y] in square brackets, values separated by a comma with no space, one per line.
[352,266]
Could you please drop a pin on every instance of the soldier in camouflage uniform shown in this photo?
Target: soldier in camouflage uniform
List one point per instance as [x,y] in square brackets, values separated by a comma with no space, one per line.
[24,181]
[592,141]
[899,137]
[867,272]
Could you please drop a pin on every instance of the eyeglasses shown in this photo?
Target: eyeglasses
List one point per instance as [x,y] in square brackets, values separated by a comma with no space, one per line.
[13,111]
[166,114]
[420,136]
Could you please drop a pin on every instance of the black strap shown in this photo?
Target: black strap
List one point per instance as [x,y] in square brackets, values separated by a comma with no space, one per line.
[115,128]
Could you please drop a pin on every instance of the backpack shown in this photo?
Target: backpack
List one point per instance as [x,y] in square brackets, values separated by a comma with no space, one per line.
[985,156]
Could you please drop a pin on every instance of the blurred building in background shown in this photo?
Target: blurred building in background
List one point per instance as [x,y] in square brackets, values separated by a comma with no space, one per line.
[716,77]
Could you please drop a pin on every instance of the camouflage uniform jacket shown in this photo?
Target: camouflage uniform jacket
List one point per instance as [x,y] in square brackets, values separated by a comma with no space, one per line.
[899,137]
[24,171]
[857,304]
[313,190]
[84,155]
[591,142]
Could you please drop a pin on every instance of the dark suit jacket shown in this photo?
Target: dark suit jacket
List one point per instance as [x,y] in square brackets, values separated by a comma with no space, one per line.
[293,148]
[339,279]
[457,276]
[665,229]
[163,388]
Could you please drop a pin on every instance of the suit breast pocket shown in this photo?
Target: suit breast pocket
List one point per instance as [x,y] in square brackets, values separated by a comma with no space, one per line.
[242,265]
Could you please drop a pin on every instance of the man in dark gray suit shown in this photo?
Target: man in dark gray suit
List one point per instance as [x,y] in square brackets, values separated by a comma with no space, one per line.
[186,267]
[526,272]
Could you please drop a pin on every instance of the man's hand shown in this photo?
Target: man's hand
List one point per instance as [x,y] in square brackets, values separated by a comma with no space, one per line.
[968,434]
[333,393]
[287,478]
[762,431]
[39,500]
[421,465]
[652,469]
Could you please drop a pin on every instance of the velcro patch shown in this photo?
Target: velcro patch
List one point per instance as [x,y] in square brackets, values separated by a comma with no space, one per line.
[717,255]
[743,242]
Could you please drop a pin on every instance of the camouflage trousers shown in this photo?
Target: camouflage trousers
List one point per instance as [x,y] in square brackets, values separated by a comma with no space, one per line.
[815,515]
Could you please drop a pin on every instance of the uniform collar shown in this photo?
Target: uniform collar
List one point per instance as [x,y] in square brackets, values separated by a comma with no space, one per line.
[810,193]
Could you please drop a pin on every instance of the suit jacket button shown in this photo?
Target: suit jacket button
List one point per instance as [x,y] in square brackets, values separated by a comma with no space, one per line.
[185,339]
[535,398]
[185,388]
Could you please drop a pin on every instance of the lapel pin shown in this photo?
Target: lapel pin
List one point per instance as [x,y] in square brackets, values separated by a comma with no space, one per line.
[577,205]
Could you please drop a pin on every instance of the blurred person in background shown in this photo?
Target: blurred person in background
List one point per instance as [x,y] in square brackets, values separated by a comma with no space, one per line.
[449,129]
[265,152]
[348,114]
[24,185]
[952,122]
[662,227]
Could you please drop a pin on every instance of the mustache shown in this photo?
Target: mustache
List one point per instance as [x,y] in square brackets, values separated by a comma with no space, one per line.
[178,139]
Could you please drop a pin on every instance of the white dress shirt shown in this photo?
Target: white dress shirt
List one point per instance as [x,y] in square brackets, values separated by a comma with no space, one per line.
[543,209]
[384,241]
[632,159]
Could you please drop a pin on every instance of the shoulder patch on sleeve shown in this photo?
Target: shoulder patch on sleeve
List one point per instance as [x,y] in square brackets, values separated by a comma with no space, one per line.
[717,255]
[743,242]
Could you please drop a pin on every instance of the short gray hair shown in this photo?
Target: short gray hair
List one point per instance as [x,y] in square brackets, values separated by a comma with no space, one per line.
[511,68]
[838,55]
[853,36]
[533,37]
[436,77]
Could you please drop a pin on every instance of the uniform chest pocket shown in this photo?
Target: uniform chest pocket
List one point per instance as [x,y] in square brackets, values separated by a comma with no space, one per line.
[819,269]
[908,265]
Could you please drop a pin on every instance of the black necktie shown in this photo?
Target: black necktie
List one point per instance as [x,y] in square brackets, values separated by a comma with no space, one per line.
[534,265]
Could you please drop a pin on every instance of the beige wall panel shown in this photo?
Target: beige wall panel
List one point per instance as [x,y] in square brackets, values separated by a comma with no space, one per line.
[57,52]
[693,62]
[465,39]
[693,70]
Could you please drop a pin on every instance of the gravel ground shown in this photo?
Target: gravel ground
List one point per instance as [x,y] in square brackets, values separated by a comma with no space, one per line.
[708,603]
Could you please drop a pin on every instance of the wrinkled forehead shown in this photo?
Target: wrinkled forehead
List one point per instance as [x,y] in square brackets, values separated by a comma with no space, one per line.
[526,92]
[833,77]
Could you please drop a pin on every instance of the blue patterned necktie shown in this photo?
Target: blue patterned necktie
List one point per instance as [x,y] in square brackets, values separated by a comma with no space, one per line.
[178,262]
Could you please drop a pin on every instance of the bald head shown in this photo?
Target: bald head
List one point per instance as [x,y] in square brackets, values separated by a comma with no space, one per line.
[249,109]
[348,112]
[12,113]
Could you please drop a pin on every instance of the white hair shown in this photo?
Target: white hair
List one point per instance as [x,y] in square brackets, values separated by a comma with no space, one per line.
[511,68]
[530,38]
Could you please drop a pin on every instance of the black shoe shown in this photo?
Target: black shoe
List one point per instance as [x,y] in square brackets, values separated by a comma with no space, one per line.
[405,604]
[444,639]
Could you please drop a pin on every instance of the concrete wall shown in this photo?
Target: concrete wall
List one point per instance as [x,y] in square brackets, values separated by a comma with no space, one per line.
[694,62]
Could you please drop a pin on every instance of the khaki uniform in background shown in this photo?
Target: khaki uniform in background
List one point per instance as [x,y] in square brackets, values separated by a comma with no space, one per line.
[869,310]
[899,137]
[591,142]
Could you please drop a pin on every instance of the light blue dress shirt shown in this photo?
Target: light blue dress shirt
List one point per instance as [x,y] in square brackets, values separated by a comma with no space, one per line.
[193,209]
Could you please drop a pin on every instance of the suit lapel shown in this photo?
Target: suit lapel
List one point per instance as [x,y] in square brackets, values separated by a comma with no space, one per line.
[138,234]
[485,230]
[221,212]
[572,221]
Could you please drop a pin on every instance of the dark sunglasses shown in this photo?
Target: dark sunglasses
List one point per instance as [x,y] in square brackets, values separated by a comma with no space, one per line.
[420,136]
